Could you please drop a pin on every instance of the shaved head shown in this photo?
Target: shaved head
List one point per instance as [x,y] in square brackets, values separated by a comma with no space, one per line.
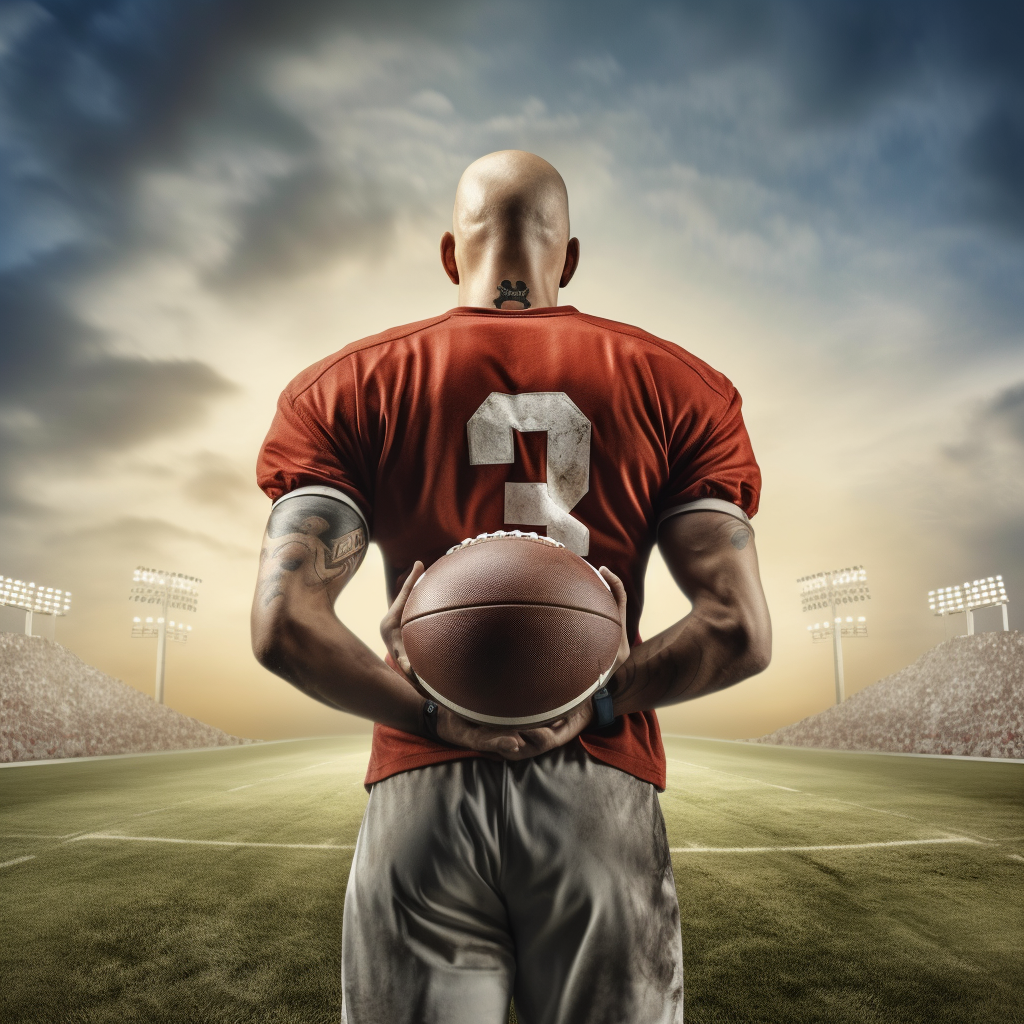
[514,196]
[511,246]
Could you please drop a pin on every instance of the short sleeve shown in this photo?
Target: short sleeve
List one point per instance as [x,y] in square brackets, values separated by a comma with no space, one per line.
[311,442]
[713,467]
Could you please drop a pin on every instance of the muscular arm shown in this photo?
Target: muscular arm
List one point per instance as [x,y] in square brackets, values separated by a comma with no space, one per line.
[727,635]
[311,549]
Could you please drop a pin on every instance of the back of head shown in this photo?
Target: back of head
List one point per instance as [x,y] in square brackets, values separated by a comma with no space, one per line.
[511,240]
[511,198]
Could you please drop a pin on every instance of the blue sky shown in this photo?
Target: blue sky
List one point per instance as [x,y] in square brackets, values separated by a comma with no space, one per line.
[197,199]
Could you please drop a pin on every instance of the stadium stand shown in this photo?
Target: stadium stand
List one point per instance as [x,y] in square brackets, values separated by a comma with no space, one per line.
[53,705]
[964,697]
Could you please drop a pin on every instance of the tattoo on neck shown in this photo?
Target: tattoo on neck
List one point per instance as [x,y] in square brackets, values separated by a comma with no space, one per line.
[739,539]
[506,293]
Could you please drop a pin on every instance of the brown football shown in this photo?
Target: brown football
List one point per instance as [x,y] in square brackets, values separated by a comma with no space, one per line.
[511,629]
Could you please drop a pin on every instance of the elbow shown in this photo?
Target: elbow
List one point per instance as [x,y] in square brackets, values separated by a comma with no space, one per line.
[271,646]
[745,639]
[753,644]
[265,648]
[759,652]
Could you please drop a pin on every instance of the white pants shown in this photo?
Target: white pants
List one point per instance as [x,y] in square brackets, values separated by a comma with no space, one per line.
[549,880]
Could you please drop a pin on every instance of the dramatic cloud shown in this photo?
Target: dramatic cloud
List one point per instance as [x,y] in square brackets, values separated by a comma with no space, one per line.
[200,197]
[149,537]
[65,400]
[216,481]
[303,220]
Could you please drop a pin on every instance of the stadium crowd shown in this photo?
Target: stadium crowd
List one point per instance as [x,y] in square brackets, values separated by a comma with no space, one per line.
[964,697]
[53,705]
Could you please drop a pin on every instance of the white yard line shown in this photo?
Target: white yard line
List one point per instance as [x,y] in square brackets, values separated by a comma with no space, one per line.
[837,800]
[72,836]
[274,778]
[206,842]
[733,775]
[755,745]
[17,860]
[33,835]
[169,807]
[908,817]
[254,745]
[835,846]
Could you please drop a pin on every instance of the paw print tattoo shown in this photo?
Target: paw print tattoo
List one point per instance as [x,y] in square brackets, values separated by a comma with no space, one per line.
[506,293]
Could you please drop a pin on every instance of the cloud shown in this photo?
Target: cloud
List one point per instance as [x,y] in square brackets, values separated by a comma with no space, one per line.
[145,536]
[994,433]
[304,220]
[995,153]
[65,400]
[1006,411]
[216,481]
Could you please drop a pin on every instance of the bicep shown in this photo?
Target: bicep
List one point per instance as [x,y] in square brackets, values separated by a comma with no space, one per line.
[711,555]
[312,547]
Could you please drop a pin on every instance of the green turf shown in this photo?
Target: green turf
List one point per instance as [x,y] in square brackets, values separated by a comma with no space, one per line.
[112,930]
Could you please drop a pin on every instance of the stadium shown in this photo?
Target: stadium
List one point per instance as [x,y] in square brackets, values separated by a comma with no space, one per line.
[816,885]
[717,306]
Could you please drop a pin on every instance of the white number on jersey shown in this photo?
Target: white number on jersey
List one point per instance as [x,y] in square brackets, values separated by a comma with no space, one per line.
[545,504]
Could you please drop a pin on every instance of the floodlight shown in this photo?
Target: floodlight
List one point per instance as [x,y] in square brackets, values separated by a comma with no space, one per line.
[168,591]
[987,592]
[34,600]
[836,590]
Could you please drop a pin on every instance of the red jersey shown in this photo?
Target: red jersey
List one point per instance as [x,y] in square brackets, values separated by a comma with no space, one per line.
[548,419]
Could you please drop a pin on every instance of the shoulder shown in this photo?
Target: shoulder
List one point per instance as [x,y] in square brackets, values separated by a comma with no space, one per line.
[672,359]
[330,368]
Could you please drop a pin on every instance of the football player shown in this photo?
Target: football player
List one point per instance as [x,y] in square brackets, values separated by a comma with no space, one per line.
[492,862]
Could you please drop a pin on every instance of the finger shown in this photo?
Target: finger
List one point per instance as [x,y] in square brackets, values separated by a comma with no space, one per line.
[505,745]
[618,590]
[390,627]
[415,573]
[463,733]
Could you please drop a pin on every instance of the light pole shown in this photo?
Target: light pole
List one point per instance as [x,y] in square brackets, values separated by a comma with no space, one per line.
[166,590]
[984,593]
[839,591]
[35,601]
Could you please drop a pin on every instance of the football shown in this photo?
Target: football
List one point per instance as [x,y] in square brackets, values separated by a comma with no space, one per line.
[511,628]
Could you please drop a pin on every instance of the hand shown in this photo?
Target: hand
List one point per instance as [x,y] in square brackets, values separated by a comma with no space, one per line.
[512,744]
[619,593]
[391,624]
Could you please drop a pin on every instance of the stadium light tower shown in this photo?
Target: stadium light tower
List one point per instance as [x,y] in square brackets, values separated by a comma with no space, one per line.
[34,600]
[838,591]
[983,593]
[166,590]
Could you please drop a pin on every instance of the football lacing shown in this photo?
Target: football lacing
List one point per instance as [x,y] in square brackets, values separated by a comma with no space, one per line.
[505,533]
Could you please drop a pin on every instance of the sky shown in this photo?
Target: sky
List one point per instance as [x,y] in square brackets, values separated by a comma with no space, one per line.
[199,198]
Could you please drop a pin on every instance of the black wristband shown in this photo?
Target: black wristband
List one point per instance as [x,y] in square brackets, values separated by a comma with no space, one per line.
[604,711]
[430,718]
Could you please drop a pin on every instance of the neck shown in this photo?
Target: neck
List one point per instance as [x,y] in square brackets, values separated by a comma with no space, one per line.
[509,282]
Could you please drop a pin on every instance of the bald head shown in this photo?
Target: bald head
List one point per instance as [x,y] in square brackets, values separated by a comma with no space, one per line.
[511,197]
[511,233]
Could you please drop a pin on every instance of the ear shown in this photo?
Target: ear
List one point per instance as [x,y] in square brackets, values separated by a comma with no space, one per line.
[572,261]
[451,268]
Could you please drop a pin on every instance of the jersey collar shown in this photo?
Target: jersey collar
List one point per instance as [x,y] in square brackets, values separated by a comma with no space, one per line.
[488,311]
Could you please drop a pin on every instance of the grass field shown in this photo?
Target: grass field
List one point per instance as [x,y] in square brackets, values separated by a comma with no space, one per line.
[814,886]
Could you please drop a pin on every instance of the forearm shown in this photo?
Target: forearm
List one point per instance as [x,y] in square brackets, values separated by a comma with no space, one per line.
[727,636]
[690,659]
[319,655]
[312,547]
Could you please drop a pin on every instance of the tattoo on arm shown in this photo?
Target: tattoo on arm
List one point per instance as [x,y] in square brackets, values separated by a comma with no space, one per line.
[739,538]
[506,293]
[320,536]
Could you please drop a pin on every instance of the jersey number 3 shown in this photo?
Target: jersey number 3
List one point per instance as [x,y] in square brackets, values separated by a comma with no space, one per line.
[568,457]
